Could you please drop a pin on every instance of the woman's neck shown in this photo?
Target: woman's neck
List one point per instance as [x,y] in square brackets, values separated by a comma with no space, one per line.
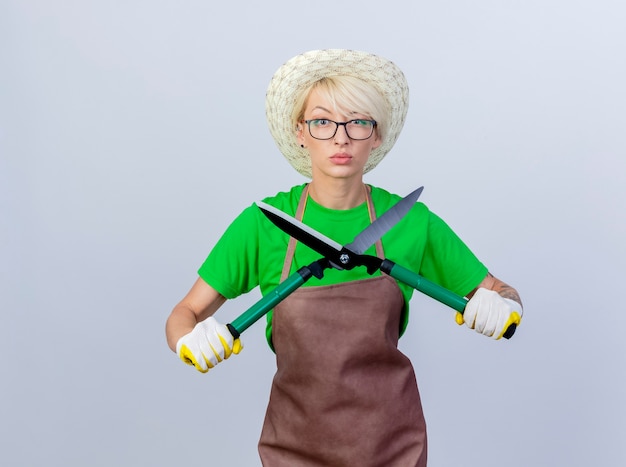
[337,194]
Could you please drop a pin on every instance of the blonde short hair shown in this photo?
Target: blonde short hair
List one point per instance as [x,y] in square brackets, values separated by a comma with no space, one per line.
[347,95]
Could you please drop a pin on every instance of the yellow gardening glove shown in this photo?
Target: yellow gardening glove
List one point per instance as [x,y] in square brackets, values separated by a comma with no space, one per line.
[490,314]
[207,344]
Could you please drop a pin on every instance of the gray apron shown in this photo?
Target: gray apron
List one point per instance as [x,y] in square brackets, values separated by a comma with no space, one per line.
[343,394]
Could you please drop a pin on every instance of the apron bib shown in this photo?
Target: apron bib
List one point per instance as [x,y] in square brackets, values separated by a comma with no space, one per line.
[343,394]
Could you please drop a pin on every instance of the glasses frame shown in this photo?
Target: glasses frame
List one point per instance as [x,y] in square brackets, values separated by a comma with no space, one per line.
[338,124]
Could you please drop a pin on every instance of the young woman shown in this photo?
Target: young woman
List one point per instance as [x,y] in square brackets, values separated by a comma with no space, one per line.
[343,394]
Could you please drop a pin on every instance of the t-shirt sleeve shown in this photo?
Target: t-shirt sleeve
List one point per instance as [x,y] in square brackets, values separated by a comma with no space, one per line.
[232,265]
[448,261]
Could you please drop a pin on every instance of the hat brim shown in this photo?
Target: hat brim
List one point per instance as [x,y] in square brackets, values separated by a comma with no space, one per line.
[302,71]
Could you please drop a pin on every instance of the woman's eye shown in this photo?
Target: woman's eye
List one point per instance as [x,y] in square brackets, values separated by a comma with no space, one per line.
[360,122]
[321,122]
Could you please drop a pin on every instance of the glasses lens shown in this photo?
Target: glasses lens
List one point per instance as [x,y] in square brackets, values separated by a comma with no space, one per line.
[322,128]
[360,129]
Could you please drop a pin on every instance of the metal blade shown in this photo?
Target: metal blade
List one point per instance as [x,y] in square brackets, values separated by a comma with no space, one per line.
[384,223]
[302,232]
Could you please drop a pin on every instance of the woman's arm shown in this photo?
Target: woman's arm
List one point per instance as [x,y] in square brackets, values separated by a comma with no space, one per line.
[490,282]
[201,302]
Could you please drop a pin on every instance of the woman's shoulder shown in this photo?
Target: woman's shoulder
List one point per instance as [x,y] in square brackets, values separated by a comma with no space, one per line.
[384,200]
[286,201]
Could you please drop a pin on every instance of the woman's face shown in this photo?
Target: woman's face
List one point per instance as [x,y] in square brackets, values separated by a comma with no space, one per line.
[339,156]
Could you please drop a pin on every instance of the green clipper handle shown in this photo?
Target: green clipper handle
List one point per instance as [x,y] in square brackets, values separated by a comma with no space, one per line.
[422,284]
[431,289]
[269,301]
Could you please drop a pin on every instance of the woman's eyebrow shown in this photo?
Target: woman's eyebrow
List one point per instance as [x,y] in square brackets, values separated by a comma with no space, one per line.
[349,114]
[319,107]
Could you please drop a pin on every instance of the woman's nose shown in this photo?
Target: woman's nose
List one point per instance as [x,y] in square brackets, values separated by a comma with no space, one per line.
[341,135]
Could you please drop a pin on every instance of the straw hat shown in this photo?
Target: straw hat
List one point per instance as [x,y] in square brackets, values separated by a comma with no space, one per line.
[303,70]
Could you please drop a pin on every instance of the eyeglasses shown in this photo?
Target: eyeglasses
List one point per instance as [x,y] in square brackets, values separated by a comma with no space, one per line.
[323,128]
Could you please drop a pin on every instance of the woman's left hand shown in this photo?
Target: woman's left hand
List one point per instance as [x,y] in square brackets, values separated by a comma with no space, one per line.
[490,314]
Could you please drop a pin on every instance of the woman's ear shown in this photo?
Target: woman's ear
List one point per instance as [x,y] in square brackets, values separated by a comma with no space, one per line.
[300,134]
[377,141]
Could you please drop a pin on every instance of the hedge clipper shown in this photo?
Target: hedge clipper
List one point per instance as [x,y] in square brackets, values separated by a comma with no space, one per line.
[345,257]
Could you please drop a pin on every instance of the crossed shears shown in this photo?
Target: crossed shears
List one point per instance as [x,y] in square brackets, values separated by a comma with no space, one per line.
[345,257]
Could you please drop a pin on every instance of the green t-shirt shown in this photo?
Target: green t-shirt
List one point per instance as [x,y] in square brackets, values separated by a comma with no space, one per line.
[251,252]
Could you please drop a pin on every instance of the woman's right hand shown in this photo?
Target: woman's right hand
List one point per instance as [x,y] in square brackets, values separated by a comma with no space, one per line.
[207,344]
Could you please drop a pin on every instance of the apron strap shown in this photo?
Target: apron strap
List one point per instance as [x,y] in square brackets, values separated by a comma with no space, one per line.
[291,247]
[372,212]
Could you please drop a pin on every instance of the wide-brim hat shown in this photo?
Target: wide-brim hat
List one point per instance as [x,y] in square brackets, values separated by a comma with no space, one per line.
[303,70]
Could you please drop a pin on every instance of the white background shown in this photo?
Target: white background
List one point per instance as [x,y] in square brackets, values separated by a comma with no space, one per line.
[133,132]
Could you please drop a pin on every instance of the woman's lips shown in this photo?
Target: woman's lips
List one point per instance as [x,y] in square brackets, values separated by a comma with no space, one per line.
[341,159]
